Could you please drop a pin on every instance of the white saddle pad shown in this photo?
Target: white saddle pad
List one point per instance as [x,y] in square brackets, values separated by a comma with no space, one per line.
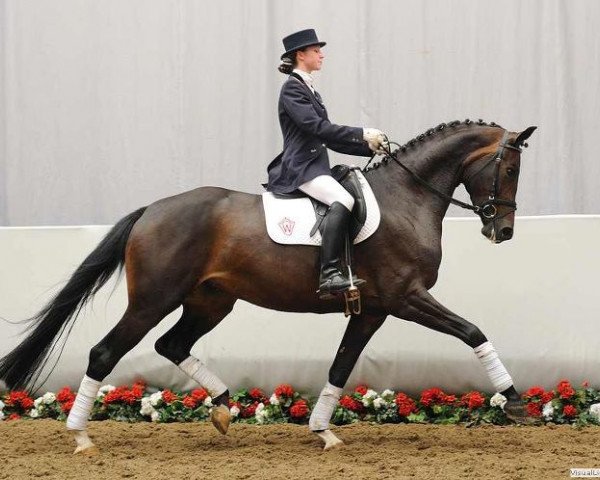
[289,221]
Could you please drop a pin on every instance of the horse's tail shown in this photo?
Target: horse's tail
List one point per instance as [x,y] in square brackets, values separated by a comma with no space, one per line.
[23,365]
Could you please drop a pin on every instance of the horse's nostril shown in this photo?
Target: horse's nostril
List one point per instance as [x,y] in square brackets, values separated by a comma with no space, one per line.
[506,233]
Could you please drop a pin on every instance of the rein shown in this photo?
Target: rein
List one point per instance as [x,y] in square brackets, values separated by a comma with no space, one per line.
[488,208]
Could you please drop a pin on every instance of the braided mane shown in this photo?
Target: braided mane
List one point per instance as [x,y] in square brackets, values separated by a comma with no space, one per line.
[427,135]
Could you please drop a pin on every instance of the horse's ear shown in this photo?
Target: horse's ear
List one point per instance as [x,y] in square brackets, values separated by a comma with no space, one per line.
[524,135]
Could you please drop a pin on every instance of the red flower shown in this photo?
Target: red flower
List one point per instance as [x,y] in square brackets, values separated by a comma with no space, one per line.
[473,400]
[249,411]
[448,399]
[299,409]
[361,389]
[129,396]
[351,403]
[199,394]
[67,406]
[585,384]
[19,398]
[284,390]
[27,403]
[189,401]
[436,396]
[406,405]
[534,409]
[536,391]
[65,395]
[547,396]
[168,396]
[256,394]
[14,416]
[569,411]
[113,396]
[565,390]
[235,404]
[138,390]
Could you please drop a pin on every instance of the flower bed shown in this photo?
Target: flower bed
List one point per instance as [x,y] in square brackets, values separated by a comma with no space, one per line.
[563,405]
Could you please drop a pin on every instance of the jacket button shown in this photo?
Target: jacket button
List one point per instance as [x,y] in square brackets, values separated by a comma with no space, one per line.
[324,144]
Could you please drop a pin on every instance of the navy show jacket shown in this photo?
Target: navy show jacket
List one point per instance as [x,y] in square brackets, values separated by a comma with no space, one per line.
[307,133]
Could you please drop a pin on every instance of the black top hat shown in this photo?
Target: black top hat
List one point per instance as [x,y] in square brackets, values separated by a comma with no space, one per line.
[299,40]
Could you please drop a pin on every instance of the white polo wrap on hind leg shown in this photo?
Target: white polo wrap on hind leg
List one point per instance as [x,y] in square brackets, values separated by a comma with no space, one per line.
[82,407]
[493,366]
[321,414]
[195,369]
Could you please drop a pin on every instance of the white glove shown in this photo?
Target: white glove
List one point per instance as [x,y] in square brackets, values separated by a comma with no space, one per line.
[376,139]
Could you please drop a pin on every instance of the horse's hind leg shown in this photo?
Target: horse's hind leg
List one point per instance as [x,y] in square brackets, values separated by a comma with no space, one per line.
[202,311]
[133,326]
[359,331]
[425,310]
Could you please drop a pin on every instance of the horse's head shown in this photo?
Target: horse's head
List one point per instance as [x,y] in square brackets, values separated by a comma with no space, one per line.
[490,176]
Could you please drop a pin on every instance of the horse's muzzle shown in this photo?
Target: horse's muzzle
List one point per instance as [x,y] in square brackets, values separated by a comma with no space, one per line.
[497,236]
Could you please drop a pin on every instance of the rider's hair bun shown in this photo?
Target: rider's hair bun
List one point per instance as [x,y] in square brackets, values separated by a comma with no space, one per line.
[286,66]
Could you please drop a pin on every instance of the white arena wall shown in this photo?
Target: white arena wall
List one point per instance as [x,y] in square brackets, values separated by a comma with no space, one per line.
[535,297]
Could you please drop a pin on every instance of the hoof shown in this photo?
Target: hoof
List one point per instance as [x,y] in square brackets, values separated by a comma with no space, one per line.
[221,418]
[515,411]
[91,451]
[331,441]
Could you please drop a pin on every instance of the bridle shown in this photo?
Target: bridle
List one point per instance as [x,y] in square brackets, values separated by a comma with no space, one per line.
[487,209]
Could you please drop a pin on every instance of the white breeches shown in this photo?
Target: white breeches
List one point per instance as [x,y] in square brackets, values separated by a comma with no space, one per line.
[325,189]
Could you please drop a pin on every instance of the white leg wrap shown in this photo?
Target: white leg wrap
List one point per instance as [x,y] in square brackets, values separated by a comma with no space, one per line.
[196,370]
[321,414]
[86,395]
[493,366]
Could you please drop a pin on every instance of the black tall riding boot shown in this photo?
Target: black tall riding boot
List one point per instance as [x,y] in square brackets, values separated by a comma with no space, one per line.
[332,280]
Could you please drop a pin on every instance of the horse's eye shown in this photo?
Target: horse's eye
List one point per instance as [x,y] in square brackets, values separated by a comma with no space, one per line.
[511,172]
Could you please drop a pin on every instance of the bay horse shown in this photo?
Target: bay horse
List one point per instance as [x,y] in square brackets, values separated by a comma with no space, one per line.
[208,247]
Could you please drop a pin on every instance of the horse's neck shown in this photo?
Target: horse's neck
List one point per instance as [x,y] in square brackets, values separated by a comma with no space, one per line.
[438,162]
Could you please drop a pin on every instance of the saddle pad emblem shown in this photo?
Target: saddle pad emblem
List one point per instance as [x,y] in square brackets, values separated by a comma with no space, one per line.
[289,221]
[287,226]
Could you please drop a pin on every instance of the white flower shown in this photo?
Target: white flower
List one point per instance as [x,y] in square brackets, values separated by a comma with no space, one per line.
[548,411]
[594,410]
[1,405]
[261,413]
[208,401]
[155,416]
[371,394]
[379,403]
[38,401]
[49,398]
[235,411]
[498,400]
[147,407]
[156,398]
[274,400]
[34,413]
[388,395]
[105,389]
[1,415]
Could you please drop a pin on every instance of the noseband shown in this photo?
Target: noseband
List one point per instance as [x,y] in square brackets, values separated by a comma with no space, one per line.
[487,209]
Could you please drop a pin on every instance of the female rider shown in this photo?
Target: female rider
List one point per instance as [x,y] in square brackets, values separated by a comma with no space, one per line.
[304,164]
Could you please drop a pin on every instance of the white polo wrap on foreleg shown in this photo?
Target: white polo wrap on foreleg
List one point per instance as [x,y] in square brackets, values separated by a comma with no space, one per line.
[82,407]
[493,366]
[321,414]
[195,369]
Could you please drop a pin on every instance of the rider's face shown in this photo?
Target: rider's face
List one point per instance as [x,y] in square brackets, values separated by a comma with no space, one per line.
[310,59]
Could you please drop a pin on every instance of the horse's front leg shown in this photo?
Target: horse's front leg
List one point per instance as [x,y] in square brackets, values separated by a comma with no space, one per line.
[359,331]
[422,308]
